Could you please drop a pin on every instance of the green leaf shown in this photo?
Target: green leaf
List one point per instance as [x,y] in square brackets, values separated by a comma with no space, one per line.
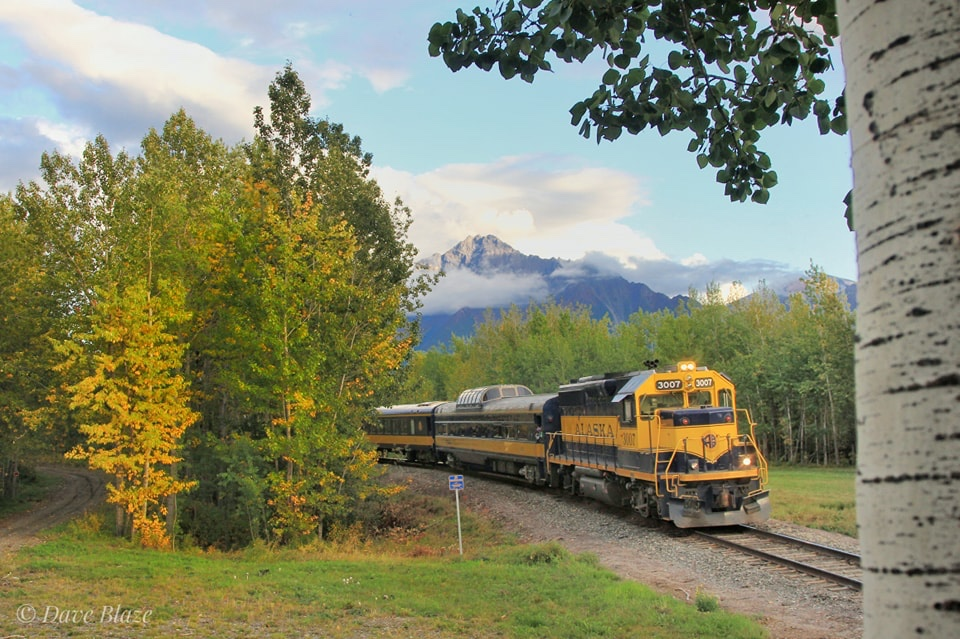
[577,112]
[839,125]
[823,123]
[702,160]
[740,74]
[612,132]
[791,46]
[508,68]
[848,213]
[675,60]
[511,21]
[819,65]
[761,196]
[611,77]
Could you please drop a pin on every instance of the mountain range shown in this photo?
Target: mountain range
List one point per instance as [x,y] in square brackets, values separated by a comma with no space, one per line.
[483,273]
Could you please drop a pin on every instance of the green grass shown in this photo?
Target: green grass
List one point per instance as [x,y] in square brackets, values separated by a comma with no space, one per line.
[816,497]
[408,582]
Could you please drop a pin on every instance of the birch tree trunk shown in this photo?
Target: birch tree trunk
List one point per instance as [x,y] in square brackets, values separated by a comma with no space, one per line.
[902,60]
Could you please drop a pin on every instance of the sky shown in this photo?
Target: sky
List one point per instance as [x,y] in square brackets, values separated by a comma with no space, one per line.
[469,152]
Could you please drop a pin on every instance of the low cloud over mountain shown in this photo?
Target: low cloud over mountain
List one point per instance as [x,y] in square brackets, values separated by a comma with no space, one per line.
[483,272]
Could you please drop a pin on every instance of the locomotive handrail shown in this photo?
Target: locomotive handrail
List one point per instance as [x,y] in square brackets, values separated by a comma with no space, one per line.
[762,467]
[656,459]
[593,444]
[583,449]
[671,480]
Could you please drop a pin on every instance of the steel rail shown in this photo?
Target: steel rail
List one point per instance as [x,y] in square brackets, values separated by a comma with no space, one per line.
[720,538]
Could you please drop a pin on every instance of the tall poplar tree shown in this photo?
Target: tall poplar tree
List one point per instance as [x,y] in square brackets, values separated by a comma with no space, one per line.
[324,280]
[133,407]
[73,215]
[24,351]
[115,320]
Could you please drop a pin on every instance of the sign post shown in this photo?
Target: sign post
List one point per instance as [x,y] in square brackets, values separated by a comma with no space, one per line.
[456,485]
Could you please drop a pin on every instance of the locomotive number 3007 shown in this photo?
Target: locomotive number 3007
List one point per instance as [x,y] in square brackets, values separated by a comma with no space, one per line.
[676,384]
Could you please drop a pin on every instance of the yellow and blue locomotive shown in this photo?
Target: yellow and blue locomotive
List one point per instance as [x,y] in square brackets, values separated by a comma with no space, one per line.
[669,443]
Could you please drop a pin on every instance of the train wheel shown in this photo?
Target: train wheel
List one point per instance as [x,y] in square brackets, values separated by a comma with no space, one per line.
[645,503]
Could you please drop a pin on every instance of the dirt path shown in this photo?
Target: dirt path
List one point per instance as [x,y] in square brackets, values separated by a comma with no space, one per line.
[77,491]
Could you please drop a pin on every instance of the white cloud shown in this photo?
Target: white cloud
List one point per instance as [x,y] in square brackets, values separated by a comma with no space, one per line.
[69,139]
[536,204]
[83,56]
[697,259]
[461,288]
[383,79]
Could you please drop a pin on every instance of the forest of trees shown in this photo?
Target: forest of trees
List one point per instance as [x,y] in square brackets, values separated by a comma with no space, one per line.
[209,325]
[792,363]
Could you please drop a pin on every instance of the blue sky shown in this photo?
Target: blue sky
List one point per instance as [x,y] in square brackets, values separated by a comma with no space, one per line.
[468,152]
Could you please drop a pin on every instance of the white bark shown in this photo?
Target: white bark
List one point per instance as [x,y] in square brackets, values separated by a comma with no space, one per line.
[902,59]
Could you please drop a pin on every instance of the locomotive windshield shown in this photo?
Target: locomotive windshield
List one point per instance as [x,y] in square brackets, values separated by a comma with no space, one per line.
[650,403]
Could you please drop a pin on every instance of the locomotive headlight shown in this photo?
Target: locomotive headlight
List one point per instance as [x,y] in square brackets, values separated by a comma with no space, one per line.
[695,464]
[746,462]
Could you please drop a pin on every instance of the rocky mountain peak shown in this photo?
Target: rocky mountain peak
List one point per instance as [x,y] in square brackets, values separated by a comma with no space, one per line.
[489,255]
[478,248]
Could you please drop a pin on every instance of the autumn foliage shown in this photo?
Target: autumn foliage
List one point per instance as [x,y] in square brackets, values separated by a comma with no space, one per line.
[211,325]
[133,408]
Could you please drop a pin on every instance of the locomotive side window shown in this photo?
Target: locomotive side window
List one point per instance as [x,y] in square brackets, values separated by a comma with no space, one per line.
[626,415]
[726,397]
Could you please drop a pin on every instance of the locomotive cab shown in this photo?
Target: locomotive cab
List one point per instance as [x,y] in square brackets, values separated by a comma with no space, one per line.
[668,442]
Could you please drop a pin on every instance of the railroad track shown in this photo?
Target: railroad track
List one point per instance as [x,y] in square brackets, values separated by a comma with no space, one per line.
[827,563]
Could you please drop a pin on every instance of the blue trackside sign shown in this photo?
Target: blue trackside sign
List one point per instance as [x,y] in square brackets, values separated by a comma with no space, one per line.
[456,482]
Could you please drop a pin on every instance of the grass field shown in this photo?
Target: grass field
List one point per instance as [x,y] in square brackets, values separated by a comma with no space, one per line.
[816,497]
[410,582]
